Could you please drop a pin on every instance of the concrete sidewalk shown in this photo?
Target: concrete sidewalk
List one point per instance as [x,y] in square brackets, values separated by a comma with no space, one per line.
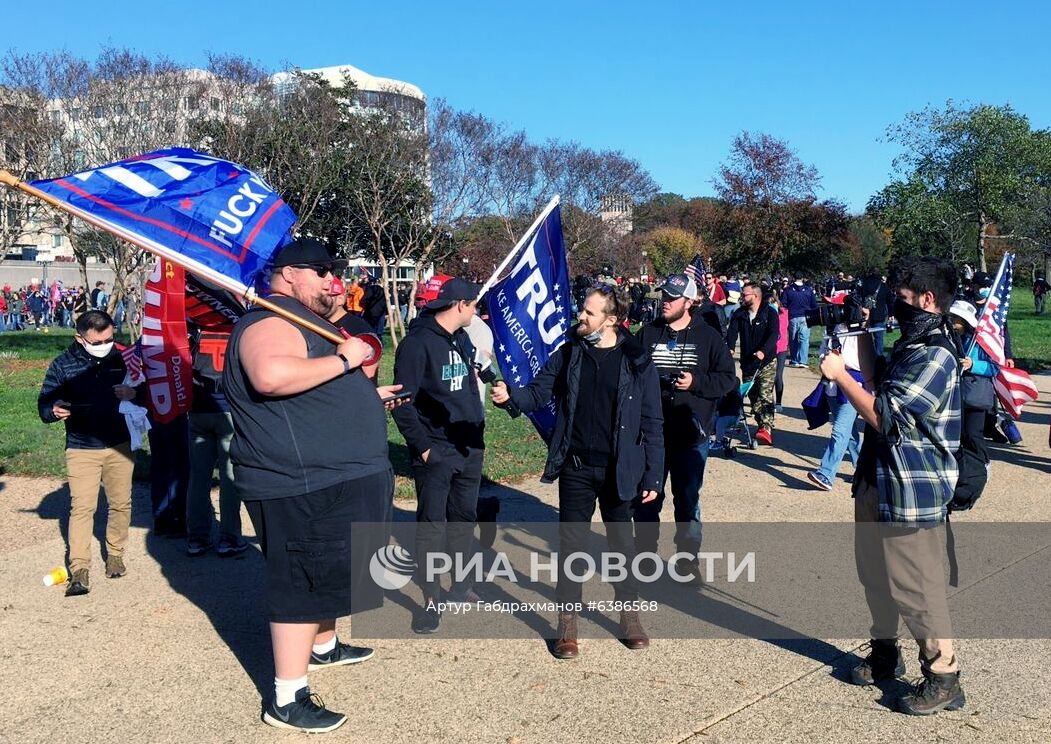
[177,650]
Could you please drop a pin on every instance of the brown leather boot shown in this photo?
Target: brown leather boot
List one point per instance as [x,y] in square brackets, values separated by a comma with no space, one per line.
[566,643]
[631,633]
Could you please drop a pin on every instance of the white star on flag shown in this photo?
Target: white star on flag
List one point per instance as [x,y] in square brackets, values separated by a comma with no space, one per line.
[507,358]
[502,348]
[517,379]
[514,370]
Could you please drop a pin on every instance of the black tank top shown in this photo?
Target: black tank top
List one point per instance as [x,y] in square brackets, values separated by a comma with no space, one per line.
[297,444]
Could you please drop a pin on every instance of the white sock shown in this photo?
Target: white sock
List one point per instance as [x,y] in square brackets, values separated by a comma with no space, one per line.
[324,648]
[285,689]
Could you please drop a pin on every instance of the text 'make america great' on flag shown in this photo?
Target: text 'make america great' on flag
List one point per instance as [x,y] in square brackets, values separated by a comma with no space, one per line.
[217,218]
[529,311]
[1013,386]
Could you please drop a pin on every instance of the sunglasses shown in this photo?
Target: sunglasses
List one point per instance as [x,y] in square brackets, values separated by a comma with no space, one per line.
[103,342]
[322,271]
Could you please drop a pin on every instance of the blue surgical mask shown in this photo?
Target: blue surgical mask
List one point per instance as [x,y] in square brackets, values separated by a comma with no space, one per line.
[984,293]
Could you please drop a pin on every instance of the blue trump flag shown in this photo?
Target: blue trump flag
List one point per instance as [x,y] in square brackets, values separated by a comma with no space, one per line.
[216,218]
[529,311]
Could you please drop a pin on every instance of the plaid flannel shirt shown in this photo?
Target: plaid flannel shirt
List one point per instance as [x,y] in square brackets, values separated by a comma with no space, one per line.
[918,402]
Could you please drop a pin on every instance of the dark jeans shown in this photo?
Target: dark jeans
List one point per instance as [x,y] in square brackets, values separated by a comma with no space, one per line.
[685,467]
[579,488]
[447,502]
[779,377]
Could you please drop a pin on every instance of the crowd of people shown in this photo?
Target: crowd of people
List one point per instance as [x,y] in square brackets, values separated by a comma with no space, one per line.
[41,306]
[636,419]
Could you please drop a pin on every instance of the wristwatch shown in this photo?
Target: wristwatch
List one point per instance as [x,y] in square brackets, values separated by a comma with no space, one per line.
[346,362]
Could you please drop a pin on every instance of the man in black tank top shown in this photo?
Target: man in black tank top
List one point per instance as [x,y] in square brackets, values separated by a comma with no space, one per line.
[303,487]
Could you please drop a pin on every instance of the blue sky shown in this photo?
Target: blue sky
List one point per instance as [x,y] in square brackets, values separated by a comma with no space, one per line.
[668,83]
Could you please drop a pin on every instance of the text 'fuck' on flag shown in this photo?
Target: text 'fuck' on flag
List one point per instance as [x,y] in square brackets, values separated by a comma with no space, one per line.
[216,218]
[530,308]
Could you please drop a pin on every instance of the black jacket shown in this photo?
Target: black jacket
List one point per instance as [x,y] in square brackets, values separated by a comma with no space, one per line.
[689,414]
[436,367]
[638,440]
[86,383]
[760,334]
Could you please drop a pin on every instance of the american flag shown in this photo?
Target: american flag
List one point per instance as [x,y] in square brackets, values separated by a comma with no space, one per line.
[133,361]
[696,270]
[1013,386]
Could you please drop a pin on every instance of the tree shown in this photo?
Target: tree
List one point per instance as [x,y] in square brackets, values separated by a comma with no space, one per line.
[84,114]
[670,249]
[768,191]
[870,247]
[966,174]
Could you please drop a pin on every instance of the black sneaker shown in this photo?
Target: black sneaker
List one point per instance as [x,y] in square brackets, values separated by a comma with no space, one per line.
[936,692]
[341,655]
[883,662]
[197,546]
[427,619]
[228,548]
[78,584]
[308,714]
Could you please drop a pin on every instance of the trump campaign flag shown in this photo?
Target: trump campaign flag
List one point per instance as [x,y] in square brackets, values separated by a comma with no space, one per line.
[1014,387]
[529,309]
[216,218]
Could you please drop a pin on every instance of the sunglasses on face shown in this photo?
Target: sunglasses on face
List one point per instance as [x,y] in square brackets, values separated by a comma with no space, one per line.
[322,271]
[103,342]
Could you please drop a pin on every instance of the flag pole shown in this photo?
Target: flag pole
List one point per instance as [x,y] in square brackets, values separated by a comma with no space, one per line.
[518,246]
[167,254]
[985,307]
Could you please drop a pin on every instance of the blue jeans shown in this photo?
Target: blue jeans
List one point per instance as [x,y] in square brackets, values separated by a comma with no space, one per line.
[846,438]
[877,341]
[686,469]
[798,340]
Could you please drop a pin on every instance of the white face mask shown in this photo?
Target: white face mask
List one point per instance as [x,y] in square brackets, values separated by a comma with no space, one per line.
[98,351]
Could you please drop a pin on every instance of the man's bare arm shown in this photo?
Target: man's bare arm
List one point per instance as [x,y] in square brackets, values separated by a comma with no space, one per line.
[274,356]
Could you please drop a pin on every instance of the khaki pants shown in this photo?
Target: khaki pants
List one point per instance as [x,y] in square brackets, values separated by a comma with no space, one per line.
[87,469]
[902,571]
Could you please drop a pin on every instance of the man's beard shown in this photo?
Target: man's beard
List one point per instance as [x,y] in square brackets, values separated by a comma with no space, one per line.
[321,303]
[675,315]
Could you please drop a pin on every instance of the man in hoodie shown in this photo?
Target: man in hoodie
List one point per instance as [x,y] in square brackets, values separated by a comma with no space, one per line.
[607,446]
[695,370]
[444,429]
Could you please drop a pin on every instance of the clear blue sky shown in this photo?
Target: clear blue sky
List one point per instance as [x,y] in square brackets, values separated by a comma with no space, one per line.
[668,83]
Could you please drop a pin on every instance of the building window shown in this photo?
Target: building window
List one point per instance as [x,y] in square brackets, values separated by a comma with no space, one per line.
[56,241]
[142,107]
[56,117]
[217,105]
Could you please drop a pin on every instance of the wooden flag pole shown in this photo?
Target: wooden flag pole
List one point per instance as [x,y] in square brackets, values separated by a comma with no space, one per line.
[215,277]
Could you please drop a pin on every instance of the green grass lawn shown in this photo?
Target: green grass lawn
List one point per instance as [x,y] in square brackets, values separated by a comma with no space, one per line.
[30,447]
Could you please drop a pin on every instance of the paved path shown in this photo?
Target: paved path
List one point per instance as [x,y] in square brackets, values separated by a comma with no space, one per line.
[175,651]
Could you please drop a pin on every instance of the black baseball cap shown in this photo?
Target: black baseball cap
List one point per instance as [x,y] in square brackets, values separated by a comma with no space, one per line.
[307,252]
[453,289]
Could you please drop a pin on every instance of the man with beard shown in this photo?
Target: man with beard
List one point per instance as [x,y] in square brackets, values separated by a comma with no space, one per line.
[303,486]
[905,478]
[758,327]
[695,370]
[607,446]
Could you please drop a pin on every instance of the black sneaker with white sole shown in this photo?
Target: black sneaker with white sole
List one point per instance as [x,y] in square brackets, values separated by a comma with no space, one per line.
[341,655]
[427,619]
[307,713]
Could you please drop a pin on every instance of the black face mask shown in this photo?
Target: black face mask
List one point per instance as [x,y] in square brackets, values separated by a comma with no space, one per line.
[914,322]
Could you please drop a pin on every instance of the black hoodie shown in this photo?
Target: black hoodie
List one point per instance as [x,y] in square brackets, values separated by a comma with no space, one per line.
[701,351]
[436,367]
